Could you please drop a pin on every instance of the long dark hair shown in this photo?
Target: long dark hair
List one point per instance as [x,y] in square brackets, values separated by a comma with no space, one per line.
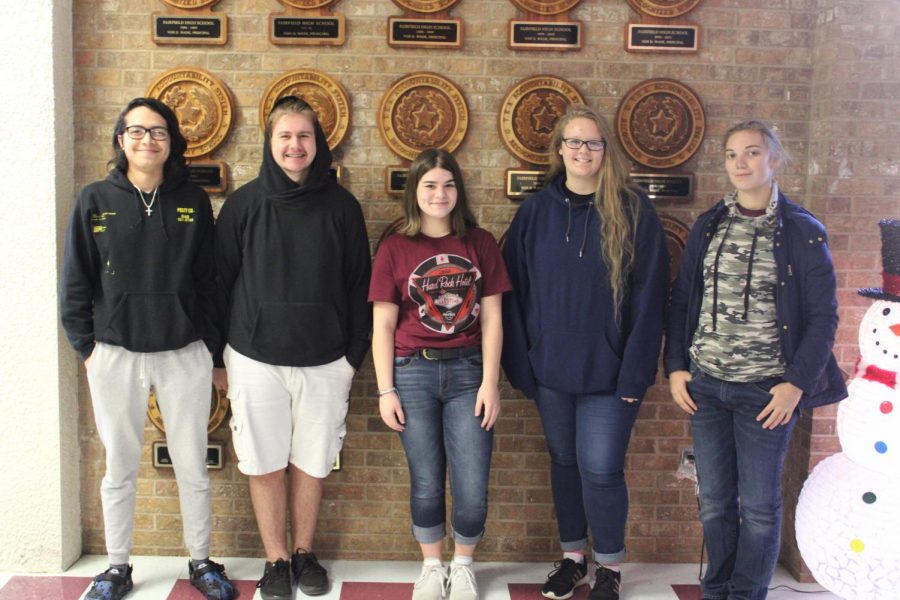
[175,166]
[461,217]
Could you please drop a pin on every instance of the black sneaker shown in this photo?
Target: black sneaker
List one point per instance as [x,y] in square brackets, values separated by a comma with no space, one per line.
[310,576]
[606,584]
[276,581]
[112,584]
[209,577]
[562,581]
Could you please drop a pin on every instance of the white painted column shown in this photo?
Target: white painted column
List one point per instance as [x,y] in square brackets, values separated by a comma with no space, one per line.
[40,516]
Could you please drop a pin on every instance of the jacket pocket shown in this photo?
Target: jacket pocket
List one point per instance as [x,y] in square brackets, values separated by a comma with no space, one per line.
[575,362]
[150,322]
[297,333]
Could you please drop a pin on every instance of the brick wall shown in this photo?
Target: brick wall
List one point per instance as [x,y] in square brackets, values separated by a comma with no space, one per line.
[758,58]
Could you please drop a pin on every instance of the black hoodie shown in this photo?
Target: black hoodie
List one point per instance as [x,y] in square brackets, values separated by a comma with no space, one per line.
[143,282]
[294,265]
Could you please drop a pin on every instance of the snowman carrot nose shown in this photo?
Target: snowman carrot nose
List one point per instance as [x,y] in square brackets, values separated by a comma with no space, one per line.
[895,329]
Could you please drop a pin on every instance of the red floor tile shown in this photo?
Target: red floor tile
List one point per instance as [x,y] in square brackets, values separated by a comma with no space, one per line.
[364,590]
[688,592]
[53,587]
[532,591]
[183,590]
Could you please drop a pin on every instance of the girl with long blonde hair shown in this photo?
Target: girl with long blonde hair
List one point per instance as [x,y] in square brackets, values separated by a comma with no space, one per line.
[587,259]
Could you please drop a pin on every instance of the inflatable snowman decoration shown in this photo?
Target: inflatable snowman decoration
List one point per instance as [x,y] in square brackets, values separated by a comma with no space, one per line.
[848,516]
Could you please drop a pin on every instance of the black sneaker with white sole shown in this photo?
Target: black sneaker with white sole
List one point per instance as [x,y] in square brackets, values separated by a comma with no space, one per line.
[562,581]
[606,584]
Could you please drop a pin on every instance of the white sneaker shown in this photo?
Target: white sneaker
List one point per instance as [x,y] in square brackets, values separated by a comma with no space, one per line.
[462,583]
[431,584]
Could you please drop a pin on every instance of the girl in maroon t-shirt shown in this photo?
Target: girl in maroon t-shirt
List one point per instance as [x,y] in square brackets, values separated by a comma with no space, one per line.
[436,289]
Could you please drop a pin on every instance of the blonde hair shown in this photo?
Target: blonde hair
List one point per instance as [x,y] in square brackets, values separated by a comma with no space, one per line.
[289,105]
[616,202]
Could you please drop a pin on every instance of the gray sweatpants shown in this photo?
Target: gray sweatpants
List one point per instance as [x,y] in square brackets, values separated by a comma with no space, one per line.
[120,382]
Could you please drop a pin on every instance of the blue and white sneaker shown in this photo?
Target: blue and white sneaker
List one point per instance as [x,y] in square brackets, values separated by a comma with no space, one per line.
[209,577]
[112,584]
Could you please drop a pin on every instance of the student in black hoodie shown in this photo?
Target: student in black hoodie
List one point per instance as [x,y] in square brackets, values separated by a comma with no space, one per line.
[138,302]
[293,256]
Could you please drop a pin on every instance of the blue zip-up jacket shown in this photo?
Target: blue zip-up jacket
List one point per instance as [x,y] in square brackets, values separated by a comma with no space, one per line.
[805,301]
[559,327]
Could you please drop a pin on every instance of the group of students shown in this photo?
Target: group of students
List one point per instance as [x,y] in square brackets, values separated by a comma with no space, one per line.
[284,295]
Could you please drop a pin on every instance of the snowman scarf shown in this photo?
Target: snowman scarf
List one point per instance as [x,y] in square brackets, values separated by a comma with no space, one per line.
[877,374]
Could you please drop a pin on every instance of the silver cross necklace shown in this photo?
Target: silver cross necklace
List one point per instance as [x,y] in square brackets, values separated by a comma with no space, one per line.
[148,206]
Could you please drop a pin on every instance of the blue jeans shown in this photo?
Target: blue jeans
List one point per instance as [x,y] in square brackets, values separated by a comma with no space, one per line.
[588,435]
[739,467]
[438,399]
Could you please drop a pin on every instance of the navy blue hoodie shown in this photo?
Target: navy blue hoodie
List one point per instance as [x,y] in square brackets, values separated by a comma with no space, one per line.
[559,326]
[143,282]
[294,265]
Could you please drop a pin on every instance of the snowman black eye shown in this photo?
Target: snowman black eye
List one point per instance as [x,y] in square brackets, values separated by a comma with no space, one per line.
[886,312]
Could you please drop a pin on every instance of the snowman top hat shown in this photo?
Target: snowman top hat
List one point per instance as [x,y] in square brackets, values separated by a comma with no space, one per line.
[890,259]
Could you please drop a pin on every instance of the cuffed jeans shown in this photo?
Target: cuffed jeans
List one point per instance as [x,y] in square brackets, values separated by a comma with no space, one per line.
[588,435]
[438,399]
[739,468]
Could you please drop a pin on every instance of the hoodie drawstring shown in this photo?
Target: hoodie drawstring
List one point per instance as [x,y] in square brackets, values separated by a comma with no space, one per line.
[750,272]
[715,313]
[587,217]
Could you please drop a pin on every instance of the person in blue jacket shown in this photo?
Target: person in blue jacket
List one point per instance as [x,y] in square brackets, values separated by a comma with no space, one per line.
[750,330]
[588,264]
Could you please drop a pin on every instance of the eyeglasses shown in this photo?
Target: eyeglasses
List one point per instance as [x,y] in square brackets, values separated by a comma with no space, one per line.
[575,144]
[137,132]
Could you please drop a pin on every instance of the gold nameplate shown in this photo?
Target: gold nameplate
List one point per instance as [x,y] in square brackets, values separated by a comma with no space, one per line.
[545,26]
[425,24]
[189,22]
[307,23]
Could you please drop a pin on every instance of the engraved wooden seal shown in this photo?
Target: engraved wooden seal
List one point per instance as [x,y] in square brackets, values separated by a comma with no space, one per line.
[420,111]
[529,113]
[660,123]
[189,4]
[676,234]
[323,93]
[425,6]
[202,104]
[664,9]
[545,7]
[218,408]
[308,4]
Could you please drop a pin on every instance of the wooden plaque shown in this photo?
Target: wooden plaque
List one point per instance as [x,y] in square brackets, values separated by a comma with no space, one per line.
[425,24]
[676,234]
[545,26]
[660,123]
[323,93]
[663,9]
[529,113]
[420,111]
[202,104]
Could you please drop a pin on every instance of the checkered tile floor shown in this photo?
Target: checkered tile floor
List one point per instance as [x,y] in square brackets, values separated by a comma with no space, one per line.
[165,578]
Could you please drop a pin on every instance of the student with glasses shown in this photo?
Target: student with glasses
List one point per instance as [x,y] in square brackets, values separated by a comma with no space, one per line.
[582,331]
[138,303]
